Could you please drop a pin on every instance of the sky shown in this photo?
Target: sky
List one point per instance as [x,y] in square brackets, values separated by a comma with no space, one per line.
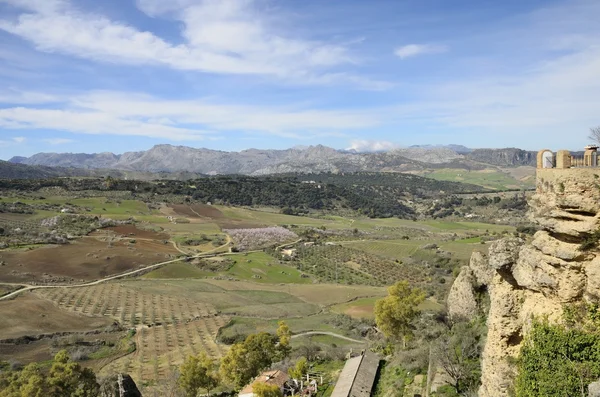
[124,75]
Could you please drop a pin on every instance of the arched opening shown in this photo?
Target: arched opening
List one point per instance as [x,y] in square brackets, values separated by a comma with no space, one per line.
[548,159]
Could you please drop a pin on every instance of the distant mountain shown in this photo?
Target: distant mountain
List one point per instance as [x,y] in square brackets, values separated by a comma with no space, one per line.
[460,149]
[312,159]
[508,157]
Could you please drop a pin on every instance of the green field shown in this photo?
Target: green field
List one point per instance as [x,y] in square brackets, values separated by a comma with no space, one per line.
[497,180]
[258,267]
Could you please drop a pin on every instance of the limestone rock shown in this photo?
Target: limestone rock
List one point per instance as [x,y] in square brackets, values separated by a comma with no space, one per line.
[461,299]
[537,279]
[504,253]
[120,385]
[481,269]
[594,389]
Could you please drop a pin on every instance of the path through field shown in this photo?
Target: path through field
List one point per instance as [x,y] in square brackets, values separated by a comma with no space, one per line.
[328,334]
[28,287]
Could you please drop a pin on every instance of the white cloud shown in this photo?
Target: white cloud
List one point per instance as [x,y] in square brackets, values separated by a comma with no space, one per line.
[17,97]
[362,145]
[225,37]
[119,113]
[412,50]
[19,139]
[57,141]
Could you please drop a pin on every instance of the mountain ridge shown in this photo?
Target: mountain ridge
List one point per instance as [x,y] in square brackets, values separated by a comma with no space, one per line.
[319,158]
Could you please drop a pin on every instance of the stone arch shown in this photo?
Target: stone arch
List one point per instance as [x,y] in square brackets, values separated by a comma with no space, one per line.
[545,159]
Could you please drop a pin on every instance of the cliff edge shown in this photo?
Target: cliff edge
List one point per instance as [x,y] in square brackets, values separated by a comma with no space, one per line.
[527,280]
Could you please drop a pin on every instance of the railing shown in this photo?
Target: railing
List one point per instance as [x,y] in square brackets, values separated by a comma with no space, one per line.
[584,162]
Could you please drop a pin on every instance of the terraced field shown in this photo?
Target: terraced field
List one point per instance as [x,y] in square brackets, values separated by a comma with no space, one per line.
[129,306]
[161,349]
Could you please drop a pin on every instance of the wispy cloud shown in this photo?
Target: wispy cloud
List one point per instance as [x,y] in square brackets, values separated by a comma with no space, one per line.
[362,145]
[225,37]
[412,50]
[57,141]
[19,139]
[122,113]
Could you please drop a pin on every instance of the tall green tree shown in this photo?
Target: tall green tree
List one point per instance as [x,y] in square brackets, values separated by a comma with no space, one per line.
[197,372]
[395,313]
[285,337]
[245,360]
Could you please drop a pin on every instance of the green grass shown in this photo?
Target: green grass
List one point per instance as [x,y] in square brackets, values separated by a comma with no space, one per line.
[494,180]
[260,264]
[272,218]
[177,270]
[264,265]
[246,325]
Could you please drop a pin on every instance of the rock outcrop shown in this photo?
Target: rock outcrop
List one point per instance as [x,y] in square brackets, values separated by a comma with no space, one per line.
[120,385]
[534,279]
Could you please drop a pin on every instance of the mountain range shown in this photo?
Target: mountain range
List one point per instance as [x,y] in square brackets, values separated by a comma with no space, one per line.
[312,159]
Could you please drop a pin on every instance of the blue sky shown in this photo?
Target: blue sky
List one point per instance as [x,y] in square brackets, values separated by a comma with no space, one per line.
[123,75]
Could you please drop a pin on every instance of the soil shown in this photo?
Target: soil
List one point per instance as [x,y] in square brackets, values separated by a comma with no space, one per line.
[197,211]
[132,231]
[85,259]
[31,315]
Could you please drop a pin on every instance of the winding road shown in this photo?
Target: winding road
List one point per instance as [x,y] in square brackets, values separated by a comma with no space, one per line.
[328,334]
[28,287]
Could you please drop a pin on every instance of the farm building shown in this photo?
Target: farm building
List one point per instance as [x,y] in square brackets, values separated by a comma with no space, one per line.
[289,253]
[276,377]
[358,376]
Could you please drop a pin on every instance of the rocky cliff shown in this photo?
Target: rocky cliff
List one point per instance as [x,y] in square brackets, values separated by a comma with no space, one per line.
[537,278]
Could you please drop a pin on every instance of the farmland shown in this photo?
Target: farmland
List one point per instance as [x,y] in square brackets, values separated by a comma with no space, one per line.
[226,277]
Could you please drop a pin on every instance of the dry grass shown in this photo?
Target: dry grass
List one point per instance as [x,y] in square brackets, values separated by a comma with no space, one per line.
[31,315]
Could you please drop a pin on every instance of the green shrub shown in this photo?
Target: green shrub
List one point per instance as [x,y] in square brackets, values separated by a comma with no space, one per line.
[556,361]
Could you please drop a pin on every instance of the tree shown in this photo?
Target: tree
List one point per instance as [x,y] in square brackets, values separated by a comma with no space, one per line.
[65,378]
[68,378]
[245,360]
[300,369]
[197,372]
[595,134]
[459,353]
[29,382]
[394,313]
[265,390]
[234,366]
[285,336]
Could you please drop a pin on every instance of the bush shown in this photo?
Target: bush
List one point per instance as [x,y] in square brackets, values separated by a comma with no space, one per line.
[556,361]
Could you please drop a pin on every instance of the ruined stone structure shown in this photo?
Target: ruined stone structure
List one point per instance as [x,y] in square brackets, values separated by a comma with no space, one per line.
[563,159]
[526,280]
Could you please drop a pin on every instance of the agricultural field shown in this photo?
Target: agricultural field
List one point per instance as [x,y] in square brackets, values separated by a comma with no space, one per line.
[209,296]
[161,349]
[492,179]
[91,258]
[29,314]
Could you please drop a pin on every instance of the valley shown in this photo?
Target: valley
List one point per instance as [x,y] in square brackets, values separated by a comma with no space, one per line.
[134,283]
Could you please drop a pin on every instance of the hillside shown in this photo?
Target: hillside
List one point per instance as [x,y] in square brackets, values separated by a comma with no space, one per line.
[168,158]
